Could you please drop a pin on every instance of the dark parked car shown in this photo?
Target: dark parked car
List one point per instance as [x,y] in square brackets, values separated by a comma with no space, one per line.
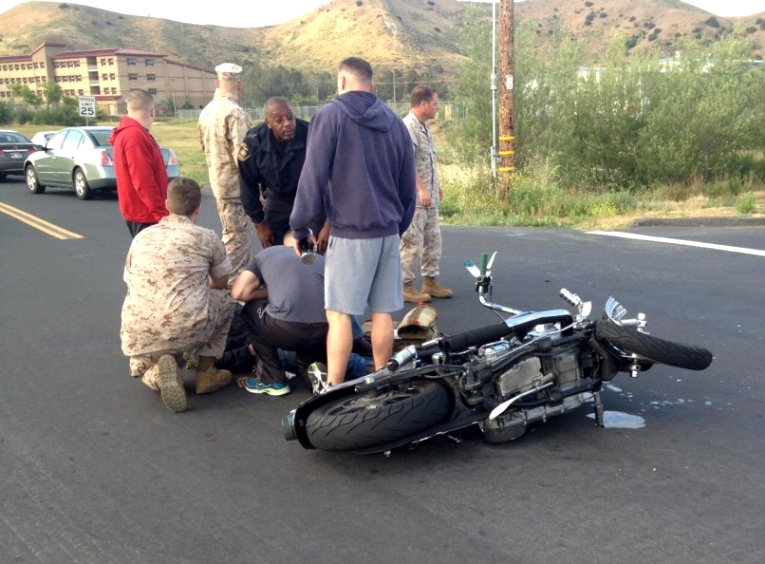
[14,148]
[80,158]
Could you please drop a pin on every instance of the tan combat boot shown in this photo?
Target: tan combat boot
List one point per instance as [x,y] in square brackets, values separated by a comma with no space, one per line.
[412,296]
[209,378]
[432,287]
[170,384]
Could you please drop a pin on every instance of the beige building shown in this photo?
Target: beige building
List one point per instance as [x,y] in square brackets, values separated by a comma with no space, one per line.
[107,74]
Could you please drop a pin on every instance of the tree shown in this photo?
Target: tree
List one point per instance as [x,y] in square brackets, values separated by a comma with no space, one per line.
[472,88]
[53,93]
[23,91]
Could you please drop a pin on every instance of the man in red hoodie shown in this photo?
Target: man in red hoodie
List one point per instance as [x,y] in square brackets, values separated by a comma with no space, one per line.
[138,165]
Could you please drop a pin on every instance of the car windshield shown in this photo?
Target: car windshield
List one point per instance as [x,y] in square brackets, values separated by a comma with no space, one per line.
[101,137]
[12,137]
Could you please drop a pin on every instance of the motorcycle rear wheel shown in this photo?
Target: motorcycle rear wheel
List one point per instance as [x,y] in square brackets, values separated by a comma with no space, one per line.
[376,418]
[653,348]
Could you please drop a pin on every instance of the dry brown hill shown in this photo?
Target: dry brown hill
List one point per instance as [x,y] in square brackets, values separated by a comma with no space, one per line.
[391,32]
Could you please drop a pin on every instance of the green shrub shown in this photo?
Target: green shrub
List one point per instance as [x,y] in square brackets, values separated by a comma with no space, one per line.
[746,203]
[6,112]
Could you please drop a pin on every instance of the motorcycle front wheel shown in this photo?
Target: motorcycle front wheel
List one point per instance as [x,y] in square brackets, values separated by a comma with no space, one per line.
[653,348]
[378,417]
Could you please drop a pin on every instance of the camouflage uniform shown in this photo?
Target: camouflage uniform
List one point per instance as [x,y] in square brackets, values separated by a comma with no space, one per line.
[421,242]
[170,307]
[223,125]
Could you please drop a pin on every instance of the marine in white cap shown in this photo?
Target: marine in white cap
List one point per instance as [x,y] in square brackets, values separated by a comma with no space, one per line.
[223,125]
[229,71]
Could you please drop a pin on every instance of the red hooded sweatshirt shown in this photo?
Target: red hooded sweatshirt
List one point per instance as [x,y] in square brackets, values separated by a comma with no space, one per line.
[141,173]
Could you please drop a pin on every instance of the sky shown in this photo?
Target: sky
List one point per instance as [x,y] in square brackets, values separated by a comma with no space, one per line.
[267,12]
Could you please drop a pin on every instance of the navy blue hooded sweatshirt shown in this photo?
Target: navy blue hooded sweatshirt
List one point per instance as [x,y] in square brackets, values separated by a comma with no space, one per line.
[359,168]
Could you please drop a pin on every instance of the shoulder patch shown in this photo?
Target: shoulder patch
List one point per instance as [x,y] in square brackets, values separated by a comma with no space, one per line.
[244,152]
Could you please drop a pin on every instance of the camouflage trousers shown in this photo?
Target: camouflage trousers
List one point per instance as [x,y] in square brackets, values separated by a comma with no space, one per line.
[236,234]
[210,342]
[421,243]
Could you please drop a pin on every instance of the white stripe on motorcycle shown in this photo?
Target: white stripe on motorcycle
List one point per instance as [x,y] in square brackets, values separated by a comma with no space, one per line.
[728,248]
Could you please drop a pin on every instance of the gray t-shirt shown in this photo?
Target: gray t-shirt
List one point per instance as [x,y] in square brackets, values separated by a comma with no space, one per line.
[295,290]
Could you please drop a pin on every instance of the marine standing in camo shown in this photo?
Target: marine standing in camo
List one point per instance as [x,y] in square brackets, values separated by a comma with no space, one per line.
[223,125]
[421,243]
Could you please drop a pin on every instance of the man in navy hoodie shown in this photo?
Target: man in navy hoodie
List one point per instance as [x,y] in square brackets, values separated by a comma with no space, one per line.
[359,170]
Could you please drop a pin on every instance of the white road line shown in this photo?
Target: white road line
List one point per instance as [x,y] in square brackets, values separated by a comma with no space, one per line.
[727,248]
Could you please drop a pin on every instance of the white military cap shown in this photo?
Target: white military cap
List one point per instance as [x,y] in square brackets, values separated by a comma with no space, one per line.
[228,71]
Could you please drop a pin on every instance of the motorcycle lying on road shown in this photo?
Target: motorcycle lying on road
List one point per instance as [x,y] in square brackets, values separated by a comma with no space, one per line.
[502,377]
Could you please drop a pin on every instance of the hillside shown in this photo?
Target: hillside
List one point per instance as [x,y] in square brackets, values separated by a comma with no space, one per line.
[401,32]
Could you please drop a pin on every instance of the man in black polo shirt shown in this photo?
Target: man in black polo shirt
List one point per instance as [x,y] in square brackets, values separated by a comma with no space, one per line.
[270,162]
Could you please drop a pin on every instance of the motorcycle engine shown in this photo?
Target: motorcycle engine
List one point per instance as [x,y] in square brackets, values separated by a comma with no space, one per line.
[563,368]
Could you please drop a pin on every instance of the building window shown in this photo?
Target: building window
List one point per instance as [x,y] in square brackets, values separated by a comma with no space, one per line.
[149,62]
[132,76]
[104,76]
[42,65]
[111,61]
[153,91]
[103,62]
[111,76]
[151,77]
[78,78]
[131,62]
[81,92]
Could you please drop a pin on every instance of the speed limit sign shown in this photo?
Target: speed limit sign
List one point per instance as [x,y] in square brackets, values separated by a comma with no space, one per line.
[87,106]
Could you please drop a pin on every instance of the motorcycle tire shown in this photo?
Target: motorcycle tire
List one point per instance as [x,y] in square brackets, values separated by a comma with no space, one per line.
[653,348]
[378,417]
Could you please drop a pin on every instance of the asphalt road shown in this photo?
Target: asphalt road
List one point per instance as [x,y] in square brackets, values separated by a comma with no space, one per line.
[93,469]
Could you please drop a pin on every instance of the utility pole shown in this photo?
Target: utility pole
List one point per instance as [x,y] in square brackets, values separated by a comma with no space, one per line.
[494,96]
[506,96]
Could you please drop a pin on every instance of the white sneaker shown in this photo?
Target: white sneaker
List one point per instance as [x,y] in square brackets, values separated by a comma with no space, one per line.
[317,374]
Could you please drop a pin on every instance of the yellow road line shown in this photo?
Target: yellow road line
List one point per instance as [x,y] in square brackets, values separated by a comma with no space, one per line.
[37,223]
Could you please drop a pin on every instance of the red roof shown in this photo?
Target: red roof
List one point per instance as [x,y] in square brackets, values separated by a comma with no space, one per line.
[191,66]
[102,52]
[15,58]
